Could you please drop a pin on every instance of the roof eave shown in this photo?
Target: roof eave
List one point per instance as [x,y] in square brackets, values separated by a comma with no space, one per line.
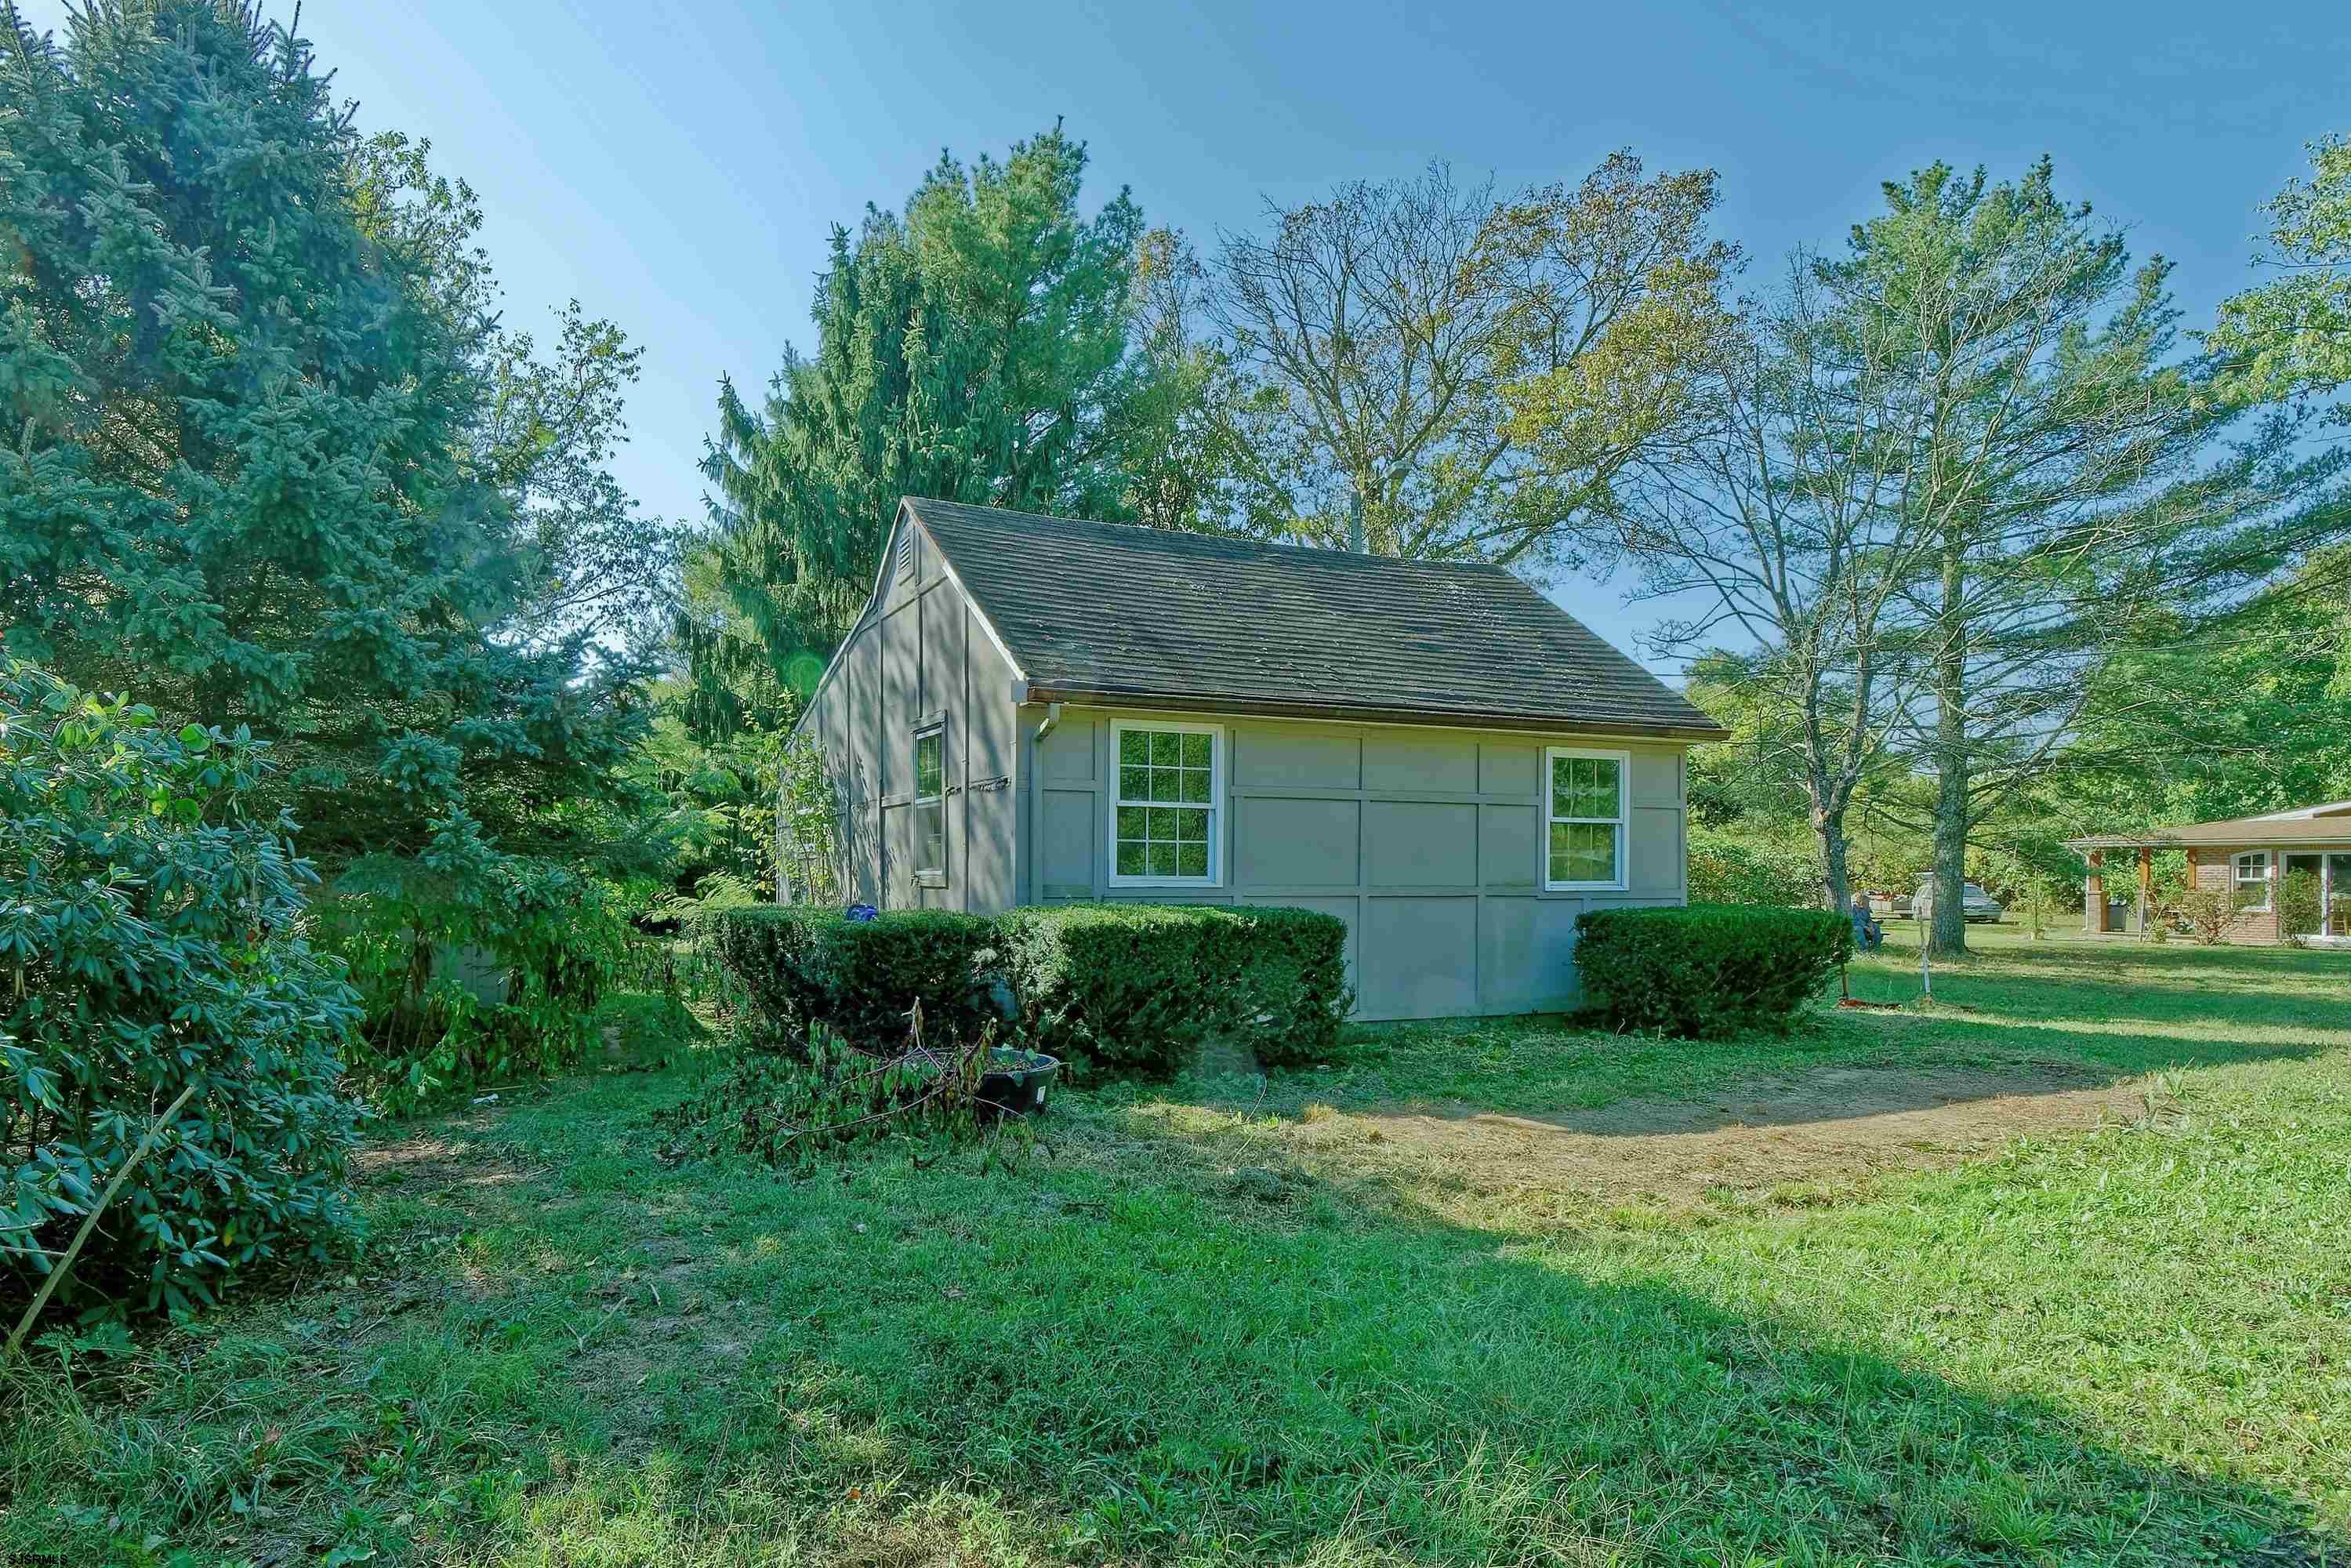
[1340,713]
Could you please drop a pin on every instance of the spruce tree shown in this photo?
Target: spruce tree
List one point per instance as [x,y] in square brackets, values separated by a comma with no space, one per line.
[258,469]
[974,348]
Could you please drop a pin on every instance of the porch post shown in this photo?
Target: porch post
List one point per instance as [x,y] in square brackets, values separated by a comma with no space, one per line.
[2145,885]
[2093,895]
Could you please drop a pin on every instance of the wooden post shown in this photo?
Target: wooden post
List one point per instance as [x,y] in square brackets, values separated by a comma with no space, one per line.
[2093,895]
[2146,886]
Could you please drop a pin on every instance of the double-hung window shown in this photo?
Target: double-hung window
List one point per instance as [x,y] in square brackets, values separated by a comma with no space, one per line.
[930,803]
[1165,816]
[1585,818]
[2252,880]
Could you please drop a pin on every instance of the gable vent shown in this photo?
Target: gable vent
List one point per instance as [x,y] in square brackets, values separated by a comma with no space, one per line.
[904,565]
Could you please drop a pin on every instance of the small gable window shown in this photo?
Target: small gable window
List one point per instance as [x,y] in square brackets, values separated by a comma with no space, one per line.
[930,804]
[1165,818]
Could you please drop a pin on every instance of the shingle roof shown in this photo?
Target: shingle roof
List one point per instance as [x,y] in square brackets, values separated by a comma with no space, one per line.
[1116,612]
[2329,824]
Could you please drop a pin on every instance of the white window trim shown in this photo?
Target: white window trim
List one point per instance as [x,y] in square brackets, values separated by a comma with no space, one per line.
[2268,879]
[931,875]
[1215,734]
[1624,760]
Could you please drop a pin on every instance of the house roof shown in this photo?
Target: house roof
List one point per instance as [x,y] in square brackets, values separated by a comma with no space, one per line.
[1114,612]
[2326,824]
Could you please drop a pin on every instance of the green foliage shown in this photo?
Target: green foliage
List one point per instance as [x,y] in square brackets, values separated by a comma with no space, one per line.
[1138,987]
[152,939]
[1708,971]
[798,1101]
[2292,335]
[475,966]
[275,462]
[804,966]
[2298,898]
[2208,912]
[1728,870]
[972,348]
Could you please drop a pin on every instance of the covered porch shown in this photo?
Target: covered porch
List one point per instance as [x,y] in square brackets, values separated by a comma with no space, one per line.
[2288,873]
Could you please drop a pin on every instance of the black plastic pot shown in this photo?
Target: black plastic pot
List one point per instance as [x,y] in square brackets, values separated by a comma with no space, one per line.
[1017,1083]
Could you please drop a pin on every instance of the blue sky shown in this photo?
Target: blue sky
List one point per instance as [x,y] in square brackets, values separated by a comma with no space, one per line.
[677,167]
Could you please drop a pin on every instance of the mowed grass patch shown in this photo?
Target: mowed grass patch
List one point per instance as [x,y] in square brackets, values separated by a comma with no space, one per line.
[1173,1338]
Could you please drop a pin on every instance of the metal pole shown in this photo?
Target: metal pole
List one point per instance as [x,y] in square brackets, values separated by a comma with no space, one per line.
[1355,521]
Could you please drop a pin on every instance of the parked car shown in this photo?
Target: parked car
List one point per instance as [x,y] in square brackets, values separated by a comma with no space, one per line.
[1978,905]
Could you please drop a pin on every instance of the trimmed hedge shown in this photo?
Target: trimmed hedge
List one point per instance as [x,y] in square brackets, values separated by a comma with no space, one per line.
[1708,971]
[803,967]
[1137,987]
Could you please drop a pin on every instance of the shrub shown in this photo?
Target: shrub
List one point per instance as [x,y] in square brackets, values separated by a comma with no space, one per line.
[1726,870]
[1708,970]
[153,940]
[2207,912]
[474,966]
[806,966]
[1139,986]
[2298,903]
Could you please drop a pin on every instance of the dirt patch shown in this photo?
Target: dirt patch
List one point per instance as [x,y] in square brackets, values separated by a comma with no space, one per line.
[1830,1125]
[430,1162]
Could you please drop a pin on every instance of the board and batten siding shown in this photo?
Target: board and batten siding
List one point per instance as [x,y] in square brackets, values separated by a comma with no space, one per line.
[920,654]
[1425,841]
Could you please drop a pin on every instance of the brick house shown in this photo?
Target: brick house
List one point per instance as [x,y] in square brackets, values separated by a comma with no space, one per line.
[2247,857]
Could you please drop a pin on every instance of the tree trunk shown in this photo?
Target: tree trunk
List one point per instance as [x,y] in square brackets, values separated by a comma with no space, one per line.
[1828,828]
[1950,934]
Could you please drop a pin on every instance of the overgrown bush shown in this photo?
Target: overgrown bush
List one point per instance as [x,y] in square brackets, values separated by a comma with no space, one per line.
[2207,912]
[1727,870]
[1708,971]
[151,940]
[474,965]
[1137,987]
[798,1101]
[2298,900]
[807,966]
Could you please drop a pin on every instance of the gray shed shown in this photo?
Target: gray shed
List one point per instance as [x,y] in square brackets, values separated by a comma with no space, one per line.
[1040,710]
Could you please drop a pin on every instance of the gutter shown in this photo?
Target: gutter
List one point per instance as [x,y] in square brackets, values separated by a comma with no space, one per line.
[1425,719]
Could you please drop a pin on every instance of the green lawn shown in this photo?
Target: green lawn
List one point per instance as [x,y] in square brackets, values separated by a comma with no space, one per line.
[1216,1322]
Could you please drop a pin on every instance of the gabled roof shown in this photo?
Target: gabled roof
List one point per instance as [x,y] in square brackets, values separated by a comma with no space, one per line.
[2327,824]
[1113,612]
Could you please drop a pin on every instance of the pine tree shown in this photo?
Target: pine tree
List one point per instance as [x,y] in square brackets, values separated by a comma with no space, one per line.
[260,470]
[973,349]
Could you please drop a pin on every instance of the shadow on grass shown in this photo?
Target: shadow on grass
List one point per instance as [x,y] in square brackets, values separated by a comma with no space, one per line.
[1124,1349]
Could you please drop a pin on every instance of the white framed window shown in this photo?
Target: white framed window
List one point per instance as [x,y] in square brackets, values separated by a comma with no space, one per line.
[1167,805]
[2252,879]
[1586,816]
[930,803]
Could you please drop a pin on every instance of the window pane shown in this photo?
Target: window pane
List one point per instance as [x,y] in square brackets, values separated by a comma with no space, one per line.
[1163,824]
[1130,859]
[1166,749]
[1192,858]
[1134,746]
[1597,855]
[1163,859]
[1167,783]
[930,837]
[1561,785]
[1196,750]
[1130,821]
[1134,783]
[1559,831]
[1191,827]
[1605,786]
[927,769]
[1195,785]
